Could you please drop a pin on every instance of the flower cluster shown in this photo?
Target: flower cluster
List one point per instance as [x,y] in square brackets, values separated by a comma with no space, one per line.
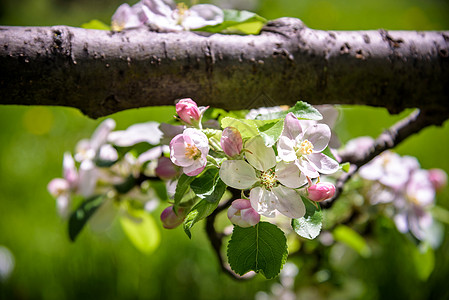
[274,181]
[165,15]
[400,181]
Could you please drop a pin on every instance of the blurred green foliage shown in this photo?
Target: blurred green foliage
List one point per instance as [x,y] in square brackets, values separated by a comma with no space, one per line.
[106,266]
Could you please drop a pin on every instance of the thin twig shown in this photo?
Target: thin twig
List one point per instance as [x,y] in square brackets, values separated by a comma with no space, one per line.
[389,139]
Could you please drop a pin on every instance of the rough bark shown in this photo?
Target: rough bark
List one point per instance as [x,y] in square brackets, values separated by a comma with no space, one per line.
[101,72]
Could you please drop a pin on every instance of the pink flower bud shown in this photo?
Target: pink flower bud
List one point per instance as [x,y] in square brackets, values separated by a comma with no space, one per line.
[438,178]
[58,186]
[321,191]
[170,220]
[231,141]
[242,214]
[165,168]
[188,111]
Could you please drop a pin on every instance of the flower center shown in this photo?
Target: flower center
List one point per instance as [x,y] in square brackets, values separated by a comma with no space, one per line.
[304,148]
[268,179]
[192,152]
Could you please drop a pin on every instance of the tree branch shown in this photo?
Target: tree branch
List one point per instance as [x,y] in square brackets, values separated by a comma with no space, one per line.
[389,139]
[102,72]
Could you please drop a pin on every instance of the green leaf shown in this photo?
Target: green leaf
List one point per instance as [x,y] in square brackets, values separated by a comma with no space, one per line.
[246,128]
[424,260]
[126,186]
[310,225]
[95,24]
[351,238]
[182,187]
[327,151]
[82,214]
[141,230]
[261,248]
[217,193]
[345,167]
[233,19]
[200,211]
[302,110]
[205,183]
[271,132]
[160,188]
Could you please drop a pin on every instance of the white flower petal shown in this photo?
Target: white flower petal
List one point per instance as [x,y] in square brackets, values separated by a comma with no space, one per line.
[202,15]
[306,167]
[289,175]
[289,202]
[263,201]
[286,149]
[319,135]
[258,155]
[323,163]
[178,155]
[401,222]
[238,174]
[88,175]
[145,132]
[100,135]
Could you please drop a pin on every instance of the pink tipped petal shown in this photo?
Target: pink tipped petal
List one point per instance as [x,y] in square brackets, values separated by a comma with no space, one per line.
[263,202]
[401,222]
[188,110]
[178,155]
[292,127]
[240,204]
[321,191]
[58,186]
[438,178]
[286,149]
[319,135]
[100,135]
[258,155]
[289,175]
[231,141]
[250,217]
[306,168]
[197,137]
[238,174]
[289,202]
[323,163]
[196,168]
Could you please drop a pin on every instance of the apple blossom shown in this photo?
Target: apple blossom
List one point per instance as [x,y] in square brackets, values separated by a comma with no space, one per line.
[165,15]
[231,141]
[321,191]
[438,178]
[272,184]
[242,214]
[188,111]
[189,150]
[303,147]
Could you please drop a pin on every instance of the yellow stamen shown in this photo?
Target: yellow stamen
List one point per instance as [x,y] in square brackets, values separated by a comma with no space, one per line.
[304,148]
[192,152]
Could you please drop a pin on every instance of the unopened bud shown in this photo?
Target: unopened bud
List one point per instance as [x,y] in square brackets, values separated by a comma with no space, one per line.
[58,186]
[165,168]
[438,178]
[188,110]
[231,141]
[171,220]
[321,191]
[242,214]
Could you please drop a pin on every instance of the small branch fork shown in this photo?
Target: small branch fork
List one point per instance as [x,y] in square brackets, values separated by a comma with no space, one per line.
[389,139]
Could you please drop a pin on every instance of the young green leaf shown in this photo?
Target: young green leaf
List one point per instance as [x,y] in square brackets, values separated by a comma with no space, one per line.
[424,260]
[310,225]
[181,188]
[352,239]
[82,214]
[302,110]
[200,211]
[261,248]
[141,230]
[245,128]
[271,132]
[205,183]
[232,21]
[95,24]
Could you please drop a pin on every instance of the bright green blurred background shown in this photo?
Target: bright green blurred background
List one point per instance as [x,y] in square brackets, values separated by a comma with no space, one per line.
[106,265]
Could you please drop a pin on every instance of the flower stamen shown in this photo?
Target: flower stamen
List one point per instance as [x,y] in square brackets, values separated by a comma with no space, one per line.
[305,148]
[192,152]
[268,179]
